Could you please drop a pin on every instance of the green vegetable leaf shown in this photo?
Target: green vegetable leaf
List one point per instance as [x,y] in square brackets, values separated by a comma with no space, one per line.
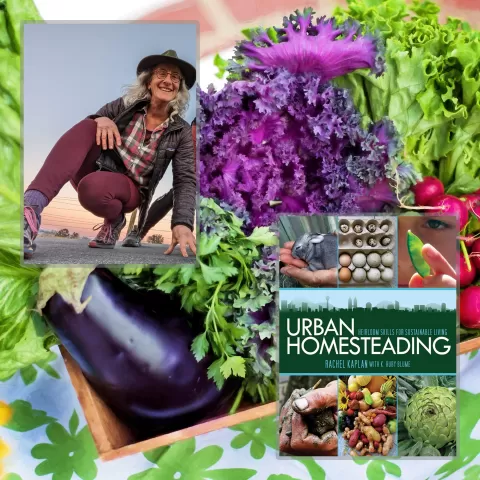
[464,185]
[200,346]
[28,374]
[167,287]
[73,423]
[233,365]
[25,418]
[263,236]
[221,64]
[215,373]
[212,274]
[207,244]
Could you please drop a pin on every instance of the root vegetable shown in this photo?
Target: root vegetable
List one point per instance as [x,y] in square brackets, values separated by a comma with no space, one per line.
[470,306]
[371,434]
[363,406]
[363,452]
[390,412]
[379,420]
[354,438]
[380,448]
[365,420]
[449,205]
[387,445]
[376,444]
[427,189]
[371,447]
[353,453]
[353,404]
[379,429]
[359,446]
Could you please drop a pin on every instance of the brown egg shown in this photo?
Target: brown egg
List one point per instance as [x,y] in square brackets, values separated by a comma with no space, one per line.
[344,274]
[375,384]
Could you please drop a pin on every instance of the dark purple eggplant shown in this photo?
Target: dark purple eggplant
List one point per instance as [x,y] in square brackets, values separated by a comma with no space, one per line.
[134,349]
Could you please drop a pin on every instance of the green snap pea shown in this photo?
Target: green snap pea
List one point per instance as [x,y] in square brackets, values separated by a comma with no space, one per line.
[414,246]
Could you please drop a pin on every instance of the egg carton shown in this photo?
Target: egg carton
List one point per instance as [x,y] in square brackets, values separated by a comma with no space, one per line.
[363,229]
[368,233]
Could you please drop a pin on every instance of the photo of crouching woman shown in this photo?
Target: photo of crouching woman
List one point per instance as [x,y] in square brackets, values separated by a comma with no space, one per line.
[116,157]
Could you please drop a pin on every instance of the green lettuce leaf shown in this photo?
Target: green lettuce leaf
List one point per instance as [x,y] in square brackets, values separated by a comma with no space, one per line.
[430,89]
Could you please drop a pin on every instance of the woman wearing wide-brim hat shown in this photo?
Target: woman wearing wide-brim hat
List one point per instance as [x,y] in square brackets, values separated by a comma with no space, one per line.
[116,158]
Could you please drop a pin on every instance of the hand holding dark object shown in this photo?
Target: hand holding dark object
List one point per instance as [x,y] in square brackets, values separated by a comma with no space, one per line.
[296,269]
[307,410]
[182,236]
[107,133]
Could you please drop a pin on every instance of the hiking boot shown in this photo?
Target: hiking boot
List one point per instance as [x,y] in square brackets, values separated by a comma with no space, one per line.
[31,225]
[133,239]
[108,235]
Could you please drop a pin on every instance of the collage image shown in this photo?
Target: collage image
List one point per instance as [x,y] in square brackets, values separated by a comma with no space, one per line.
[372,371]
[368,415]
[240,240]
[368,251]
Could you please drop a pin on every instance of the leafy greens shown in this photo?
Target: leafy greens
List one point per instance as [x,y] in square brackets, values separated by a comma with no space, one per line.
[24,338]
[235,287]
[431,85]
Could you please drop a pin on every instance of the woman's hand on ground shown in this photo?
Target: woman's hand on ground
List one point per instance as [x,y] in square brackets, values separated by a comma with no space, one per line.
[443,276]
[295,268]
[107,133]
[183,236]
[295,438]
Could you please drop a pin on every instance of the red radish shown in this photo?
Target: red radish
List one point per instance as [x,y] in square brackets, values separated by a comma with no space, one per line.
[470,307]
[472,201]
[475,254]
[469,240]
[427,190]
[466,277]
[450,205]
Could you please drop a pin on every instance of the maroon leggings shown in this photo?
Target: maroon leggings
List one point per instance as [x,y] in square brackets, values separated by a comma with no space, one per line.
[105,194]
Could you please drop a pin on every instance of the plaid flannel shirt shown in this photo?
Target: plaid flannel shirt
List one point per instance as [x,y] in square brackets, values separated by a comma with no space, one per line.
[137,155]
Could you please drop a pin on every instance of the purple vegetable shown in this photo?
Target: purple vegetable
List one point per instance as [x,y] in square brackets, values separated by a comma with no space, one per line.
[134,349]
[328,49]
[280,139]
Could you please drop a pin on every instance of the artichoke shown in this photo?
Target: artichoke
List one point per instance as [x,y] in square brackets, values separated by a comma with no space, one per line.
[430,416]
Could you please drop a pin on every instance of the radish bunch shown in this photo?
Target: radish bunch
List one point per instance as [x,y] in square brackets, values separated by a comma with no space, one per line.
[466,208]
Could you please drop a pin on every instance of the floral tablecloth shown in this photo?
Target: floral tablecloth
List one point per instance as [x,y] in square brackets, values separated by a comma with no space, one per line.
[43,434]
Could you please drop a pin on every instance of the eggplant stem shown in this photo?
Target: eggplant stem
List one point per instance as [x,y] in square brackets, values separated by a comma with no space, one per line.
[238,399]
[465,255]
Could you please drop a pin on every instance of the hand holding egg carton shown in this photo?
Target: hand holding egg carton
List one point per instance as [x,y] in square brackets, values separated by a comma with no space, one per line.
[366,246]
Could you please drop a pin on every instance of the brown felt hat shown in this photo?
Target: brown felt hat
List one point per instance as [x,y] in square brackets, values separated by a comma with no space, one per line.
[170,56]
